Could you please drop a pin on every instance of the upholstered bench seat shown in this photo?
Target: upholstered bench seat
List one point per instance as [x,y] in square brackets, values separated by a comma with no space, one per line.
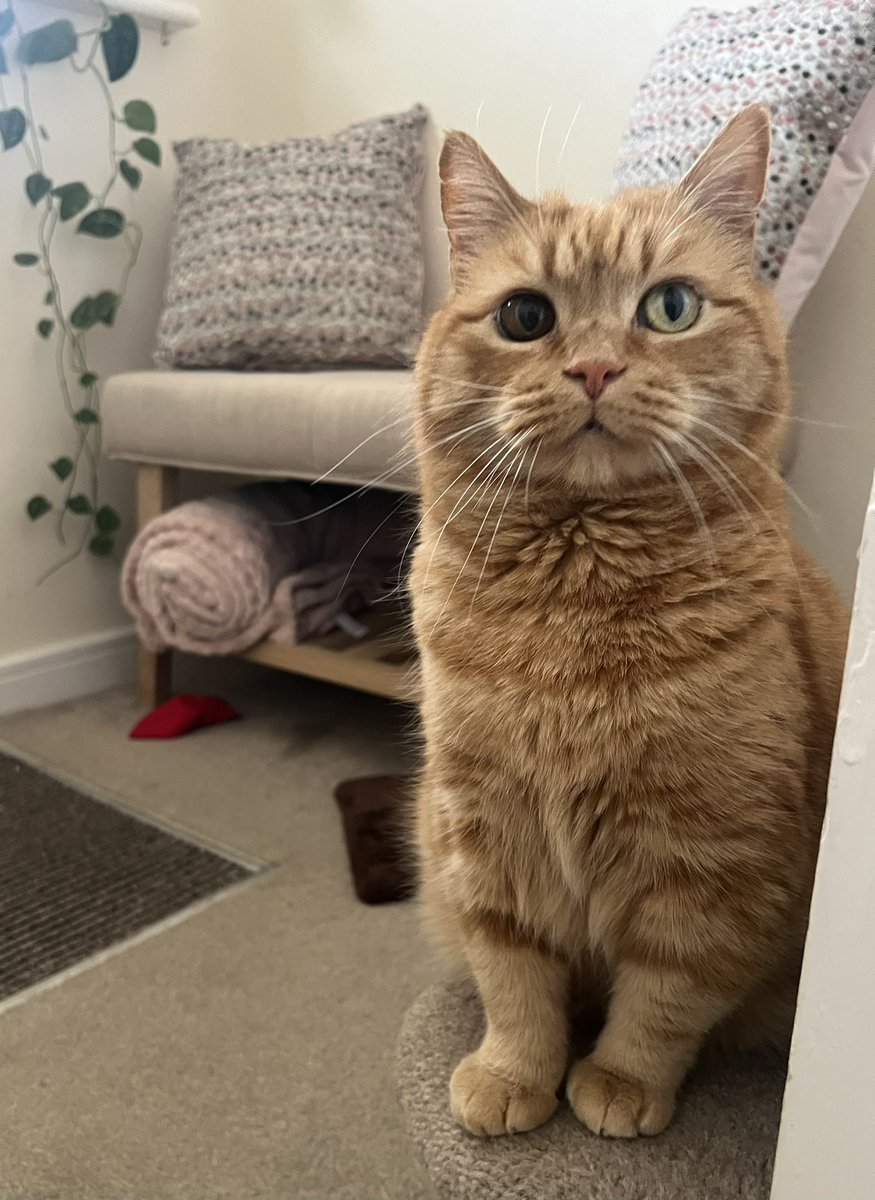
[350,426]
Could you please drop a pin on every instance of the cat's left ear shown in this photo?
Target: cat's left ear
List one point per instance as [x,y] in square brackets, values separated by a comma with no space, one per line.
[729,179]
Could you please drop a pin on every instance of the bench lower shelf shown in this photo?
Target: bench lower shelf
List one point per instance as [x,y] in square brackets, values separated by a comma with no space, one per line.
[380,663]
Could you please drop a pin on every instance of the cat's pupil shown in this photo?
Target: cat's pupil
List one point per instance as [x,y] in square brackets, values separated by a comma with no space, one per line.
[673,302]
[529,314]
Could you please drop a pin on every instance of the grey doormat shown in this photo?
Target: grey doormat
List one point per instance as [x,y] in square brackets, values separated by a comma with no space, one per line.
[720,1147]
[77,876]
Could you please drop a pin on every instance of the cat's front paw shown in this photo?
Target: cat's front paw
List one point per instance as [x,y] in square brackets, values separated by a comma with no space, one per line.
[487,1104]
[613,1106]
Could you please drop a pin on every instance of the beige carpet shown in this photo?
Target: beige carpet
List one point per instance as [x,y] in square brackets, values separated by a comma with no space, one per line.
[248,1051]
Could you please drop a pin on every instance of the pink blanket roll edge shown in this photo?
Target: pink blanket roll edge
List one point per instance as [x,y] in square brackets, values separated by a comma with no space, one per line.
[215,576]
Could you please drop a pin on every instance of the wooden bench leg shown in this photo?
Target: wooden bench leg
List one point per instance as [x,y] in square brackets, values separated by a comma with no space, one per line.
[157,491]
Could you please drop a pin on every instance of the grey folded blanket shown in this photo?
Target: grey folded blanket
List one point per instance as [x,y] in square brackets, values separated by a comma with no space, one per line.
[275,560]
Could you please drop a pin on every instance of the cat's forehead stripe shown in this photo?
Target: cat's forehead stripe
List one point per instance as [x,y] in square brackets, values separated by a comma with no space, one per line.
[594,241]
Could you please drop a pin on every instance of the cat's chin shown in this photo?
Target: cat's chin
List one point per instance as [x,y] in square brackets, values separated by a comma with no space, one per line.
[600,462]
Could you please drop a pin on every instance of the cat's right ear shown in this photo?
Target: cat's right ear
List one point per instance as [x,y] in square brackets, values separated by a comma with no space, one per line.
[476,199]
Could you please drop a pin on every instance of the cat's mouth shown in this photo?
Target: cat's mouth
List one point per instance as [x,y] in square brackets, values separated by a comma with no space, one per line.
[594,428]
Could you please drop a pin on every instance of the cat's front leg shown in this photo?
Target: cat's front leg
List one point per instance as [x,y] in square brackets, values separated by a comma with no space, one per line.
[509,1084]
[657,1020]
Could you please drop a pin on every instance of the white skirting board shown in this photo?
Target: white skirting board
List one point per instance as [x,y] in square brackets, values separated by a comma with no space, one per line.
[65,670]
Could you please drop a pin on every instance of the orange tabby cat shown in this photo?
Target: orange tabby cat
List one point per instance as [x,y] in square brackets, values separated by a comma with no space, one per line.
[630,673]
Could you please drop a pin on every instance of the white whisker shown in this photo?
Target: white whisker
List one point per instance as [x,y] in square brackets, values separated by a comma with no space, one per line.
[538,162]
[531,468]
[568,134]
[491,466]
[511,449]
[693,504]
[510,491]
[766,467]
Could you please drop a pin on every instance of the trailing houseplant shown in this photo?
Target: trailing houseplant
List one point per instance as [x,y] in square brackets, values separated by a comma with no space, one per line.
[64,208]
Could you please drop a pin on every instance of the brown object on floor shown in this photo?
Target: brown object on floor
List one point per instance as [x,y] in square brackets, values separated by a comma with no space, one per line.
[374,812]
[78,876]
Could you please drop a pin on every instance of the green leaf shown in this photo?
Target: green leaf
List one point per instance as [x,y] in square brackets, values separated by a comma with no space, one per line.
[101,546]
[37,186]
[102,223]
[63,467]
[149,149]
[79,504]
[131,175]
[12,126]
[88,379]
[86,416]
[74,197]
[45,327]
[106,306]
[108,520]
[7,20]
[140,115]
[26,260]
[49,297]
[120,44]
[48,44]
[83,315]
[38,506]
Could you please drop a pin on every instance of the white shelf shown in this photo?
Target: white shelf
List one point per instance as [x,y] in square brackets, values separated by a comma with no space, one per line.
[154,14]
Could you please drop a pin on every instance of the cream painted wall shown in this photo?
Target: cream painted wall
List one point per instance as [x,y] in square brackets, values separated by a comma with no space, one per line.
[503,68]
[193,84]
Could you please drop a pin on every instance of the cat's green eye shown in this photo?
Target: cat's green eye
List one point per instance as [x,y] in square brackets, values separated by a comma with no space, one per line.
[670,308]
[525,317]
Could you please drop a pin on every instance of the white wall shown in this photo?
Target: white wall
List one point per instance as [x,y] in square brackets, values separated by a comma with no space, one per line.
[193,84]
[825,1145]
[270,68]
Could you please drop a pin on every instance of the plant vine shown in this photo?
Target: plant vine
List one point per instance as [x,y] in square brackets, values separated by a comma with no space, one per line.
[67,325]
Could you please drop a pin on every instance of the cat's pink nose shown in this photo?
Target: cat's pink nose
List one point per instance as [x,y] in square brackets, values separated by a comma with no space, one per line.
[595,375]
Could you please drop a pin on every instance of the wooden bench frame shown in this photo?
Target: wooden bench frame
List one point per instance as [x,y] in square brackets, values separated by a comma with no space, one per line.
[377,663]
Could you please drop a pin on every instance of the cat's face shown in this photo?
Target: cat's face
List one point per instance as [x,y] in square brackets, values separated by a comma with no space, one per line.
[599,345]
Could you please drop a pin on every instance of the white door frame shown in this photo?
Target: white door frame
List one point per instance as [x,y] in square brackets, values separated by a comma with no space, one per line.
[826,1147]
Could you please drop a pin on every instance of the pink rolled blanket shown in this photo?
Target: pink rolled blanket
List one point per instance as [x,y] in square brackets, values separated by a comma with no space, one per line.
[276,560]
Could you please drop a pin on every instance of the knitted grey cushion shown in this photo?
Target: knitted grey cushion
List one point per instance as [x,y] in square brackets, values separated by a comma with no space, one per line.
[720,1145]
[300,253]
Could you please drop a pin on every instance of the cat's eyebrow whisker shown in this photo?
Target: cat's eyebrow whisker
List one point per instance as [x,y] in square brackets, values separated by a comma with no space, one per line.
[538,165]
[693,504]
[568,134]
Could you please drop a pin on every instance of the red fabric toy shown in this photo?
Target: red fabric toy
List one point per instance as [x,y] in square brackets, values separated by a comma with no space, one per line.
[183,714]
